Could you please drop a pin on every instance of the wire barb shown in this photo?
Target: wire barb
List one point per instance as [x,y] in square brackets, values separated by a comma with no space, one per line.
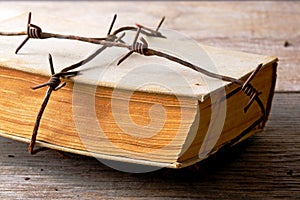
[54,84]
[136,46]
[160,23]
[249,90]
[156,31]
[112,24]
[33,31]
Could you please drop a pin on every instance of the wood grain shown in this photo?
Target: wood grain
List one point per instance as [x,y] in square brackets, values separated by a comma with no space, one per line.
[266,166]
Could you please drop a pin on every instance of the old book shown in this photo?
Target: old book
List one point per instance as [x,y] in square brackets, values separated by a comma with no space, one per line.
[147,111]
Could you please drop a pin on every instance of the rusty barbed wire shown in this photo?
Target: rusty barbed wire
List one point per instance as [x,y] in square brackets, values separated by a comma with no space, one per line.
[139,45]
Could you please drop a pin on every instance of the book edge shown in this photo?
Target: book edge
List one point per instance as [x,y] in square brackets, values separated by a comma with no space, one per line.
[174,164]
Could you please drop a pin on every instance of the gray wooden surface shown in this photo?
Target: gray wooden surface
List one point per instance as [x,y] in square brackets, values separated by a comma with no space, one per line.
[266,166]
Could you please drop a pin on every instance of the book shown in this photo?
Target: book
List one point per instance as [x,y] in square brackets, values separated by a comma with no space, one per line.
[147,111]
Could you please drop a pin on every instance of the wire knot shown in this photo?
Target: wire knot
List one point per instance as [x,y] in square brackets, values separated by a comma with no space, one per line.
[249,90]
[34,31]
[140,47]
[54,81]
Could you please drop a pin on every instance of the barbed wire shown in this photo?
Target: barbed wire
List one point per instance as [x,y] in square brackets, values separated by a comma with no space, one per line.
[139,45]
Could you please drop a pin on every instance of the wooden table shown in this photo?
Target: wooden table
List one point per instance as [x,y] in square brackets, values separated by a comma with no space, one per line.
[266,166]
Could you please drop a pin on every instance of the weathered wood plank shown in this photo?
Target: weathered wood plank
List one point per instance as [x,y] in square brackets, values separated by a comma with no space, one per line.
[256,27]
[265,166]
